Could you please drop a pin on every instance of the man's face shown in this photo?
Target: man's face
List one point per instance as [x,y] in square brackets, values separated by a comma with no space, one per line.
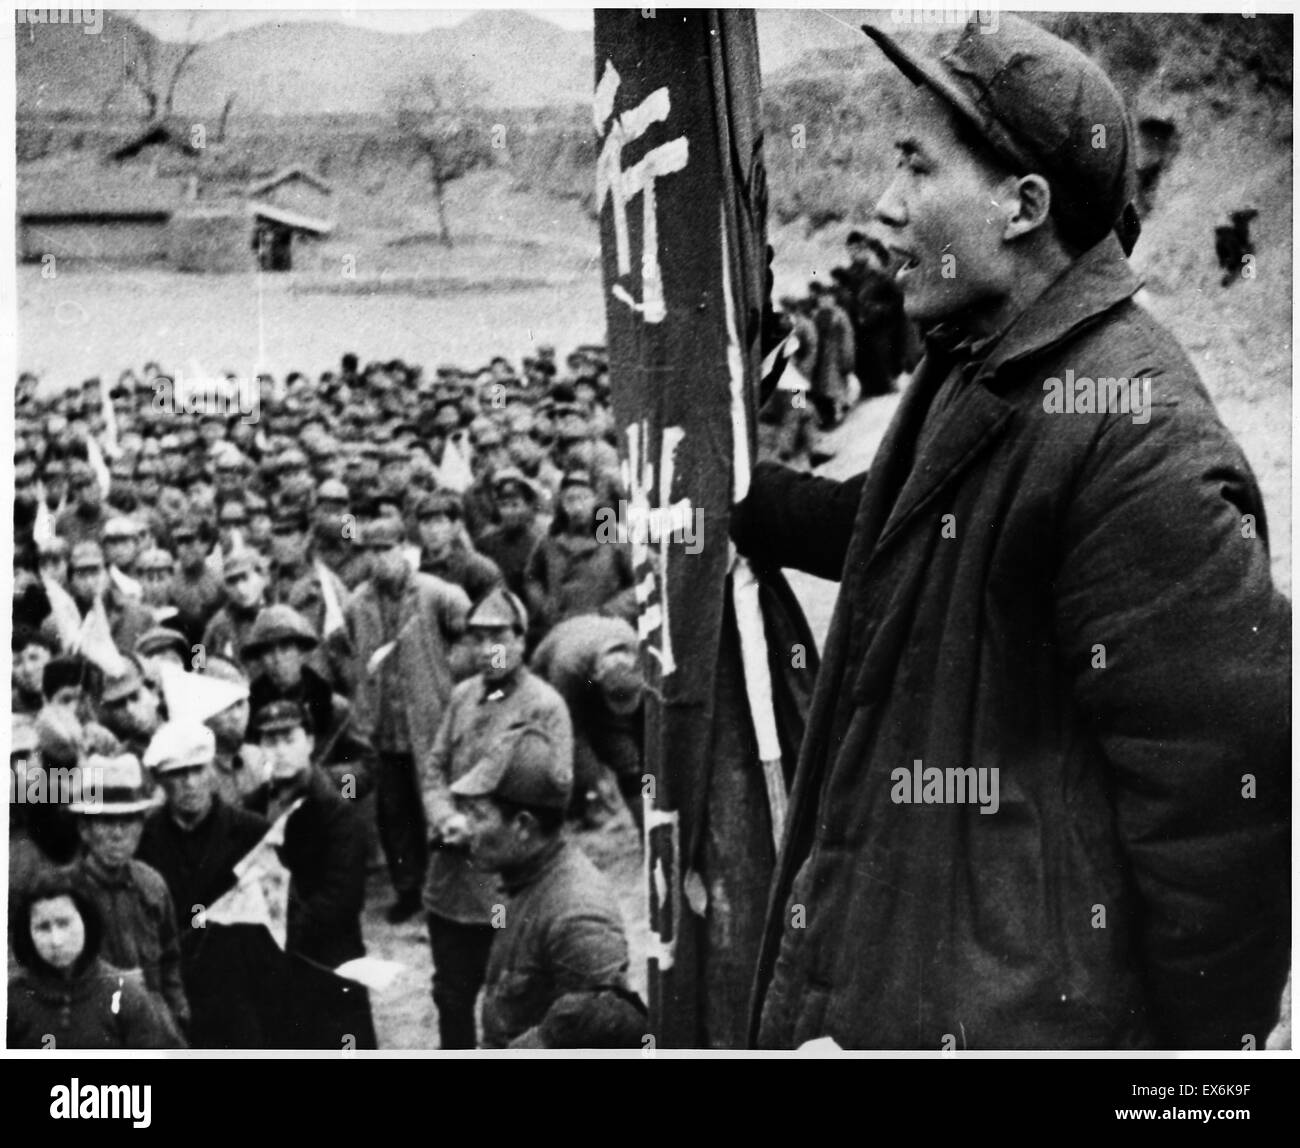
[245,588]
[188,791]
[135,715]
[191,551]
[29,665]
[259,529]
[515,511]
[156,584]
[112,841]
[232,519]
[494,842]
[230,725]
[499,651]
[282,662]
[88,581]
[390,565]
[940,217]
[229,478]
[437,532]
[288,545]
[121,551]
[289,752]
[86,492]
[579,504]
[68,698]
[58,932]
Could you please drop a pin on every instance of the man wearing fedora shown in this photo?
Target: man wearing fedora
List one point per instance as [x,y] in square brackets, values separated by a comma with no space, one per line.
[139,917]
[1066,610]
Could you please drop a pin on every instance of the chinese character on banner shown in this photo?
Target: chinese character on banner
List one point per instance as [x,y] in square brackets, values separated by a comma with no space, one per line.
[653,517]
[620,185]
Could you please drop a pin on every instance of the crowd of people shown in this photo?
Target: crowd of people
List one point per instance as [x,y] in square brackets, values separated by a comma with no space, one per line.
[847,340]
[373,610]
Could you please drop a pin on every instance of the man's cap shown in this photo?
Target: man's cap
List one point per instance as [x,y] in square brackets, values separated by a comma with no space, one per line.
[509,478]
[86,553]
[278,623]
[274,717]
[120,686]
[154,558]
[158,639]
[578,476]
[621,683]
[241,561]
[120,526]
[180,744]
[332,490]
[381,533]
[524,768]
[447,503]
[289,518]
[499,608]
[114,786]
[1038,103]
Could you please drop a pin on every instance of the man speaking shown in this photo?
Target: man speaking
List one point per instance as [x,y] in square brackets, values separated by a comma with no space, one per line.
[1066,597]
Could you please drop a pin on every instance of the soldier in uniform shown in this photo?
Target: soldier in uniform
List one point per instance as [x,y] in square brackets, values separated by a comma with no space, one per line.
[559,957]
[459,898]
[245,585]
[445,551]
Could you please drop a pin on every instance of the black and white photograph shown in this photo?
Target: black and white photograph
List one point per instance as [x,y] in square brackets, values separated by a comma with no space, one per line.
[640,531]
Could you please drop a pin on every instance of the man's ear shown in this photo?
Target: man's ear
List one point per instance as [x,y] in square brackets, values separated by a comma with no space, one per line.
[1031,198]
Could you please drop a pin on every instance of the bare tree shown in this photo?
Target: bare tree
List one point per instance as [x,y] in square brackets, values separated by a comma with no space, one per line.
[441,119]
[151,69]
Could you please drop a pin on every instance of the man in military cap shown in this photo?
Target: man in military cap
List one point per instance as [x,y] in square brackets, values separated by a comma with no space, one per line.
[197,591]
[594,664]
[137,910]
[1064,607]
[511,543]
[325,852]
[194,842]
[156,572]
[278,650]
[402,626]
[245,583]
[84,518]
[560,939]
[457,897]
[162,645]
[123,541]
[445,549]
[88,583]
[129,706]
[335,533]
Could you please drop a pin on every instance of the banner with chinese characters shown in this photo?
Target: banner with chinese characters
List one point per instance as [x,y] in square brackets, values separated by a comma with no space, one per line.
[681,197]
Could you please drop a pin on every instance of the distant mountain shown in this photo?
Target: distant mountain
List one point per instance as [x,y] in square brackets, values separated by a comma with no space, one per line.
[516,59]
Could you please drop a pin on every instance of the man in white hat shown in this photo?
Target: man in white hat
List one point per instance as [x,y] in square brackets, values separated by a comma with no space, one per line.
[194,841]
[139,919]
